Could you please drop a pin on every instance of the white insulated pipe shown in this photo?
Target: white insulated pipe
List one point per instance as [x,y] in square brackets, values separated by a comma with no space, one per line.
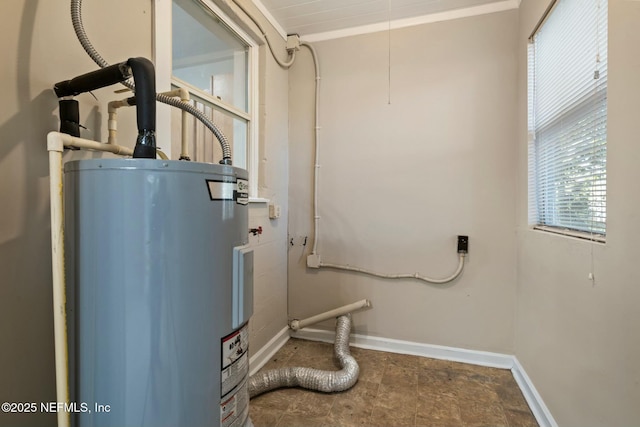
[56,142]
[336,312]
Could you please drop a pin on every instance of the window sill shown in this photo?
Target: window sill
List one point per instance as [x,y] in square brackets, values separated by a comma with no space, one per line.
[258,200]
[597,238]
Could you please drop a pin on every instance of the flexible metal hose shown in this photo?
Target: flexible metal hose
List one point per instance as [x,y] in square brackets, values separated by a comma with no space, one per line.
[78,27]
[314,379]
[175,102]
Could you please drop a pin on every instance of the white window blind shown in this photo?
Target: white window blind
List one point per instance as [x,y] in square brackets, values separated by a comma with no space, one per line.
[568,118]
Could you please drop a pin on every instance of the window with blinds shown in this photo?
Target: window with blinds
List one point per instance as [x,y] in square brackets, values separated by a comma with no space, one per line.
[568,119]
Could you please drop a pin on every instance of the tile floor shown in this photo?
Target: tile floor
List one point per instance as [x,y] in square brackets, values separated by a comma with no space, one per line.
[393,390]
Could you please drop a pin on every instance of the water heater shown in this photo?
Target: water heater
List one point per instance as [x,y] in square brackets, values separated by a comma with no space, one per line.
[160,290]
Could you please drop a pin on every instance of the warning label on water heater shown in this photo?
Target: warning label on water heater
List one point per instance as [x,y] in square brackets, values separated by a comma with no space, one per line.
[234,408]
[234,405]
[235,359]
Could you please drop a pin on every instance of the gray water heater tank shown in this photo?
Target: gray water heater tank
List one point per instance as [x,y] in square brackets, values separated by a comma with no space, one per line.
[159,293]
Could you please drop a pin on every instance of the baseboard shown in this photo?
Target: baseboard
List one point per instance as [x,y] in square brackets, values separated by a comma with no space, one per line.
[267,351]
[482,358]
[533,398]
[474,357]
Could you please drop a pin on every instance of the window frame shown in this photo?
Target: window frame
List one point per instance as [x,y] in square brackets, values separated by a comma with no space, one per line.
[165,81]
[534,220]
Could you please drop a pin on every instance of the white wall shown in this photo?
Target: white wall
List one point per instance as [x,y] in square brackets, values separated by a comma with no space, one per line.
[38,48]
[577,339]
[400,181]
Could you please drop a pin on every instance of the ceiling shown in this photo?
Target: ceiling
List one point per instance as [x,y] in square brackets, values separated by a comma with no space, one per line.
[305,17]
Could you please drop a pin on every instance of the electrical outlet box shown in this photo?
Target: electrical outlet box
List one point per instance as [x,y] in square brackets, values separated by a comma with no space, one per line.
[293,42]
[463,244]
[274,211]
[313,261]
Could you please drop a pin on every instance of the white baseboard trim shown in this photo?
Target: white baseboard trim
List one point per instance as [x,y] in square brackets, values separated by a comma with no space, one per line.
[474,357]
[262,356]
[482,358]
[531,395]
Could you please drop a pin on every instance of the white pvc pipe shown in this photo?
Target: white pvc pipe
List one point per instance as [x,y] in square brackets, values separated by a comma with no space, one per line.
[161,155]
[72,141]
[184,152]
[55,147]
[336,312]
[112,123]
[184,96]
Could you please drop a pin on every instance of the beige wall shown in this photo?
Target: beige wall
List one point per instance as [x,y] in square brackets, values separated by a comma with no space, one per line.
[578,340]
[270,269]
[399,181]
[38,49]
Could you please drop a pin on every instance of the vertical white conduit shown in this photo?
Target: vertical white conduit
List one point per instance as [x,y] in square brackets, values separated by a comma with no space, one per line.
[316,167]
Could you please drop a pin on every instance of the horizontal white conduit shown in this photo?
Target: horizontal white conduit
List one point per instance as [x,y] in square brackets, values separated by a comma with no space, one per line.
[416,276]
